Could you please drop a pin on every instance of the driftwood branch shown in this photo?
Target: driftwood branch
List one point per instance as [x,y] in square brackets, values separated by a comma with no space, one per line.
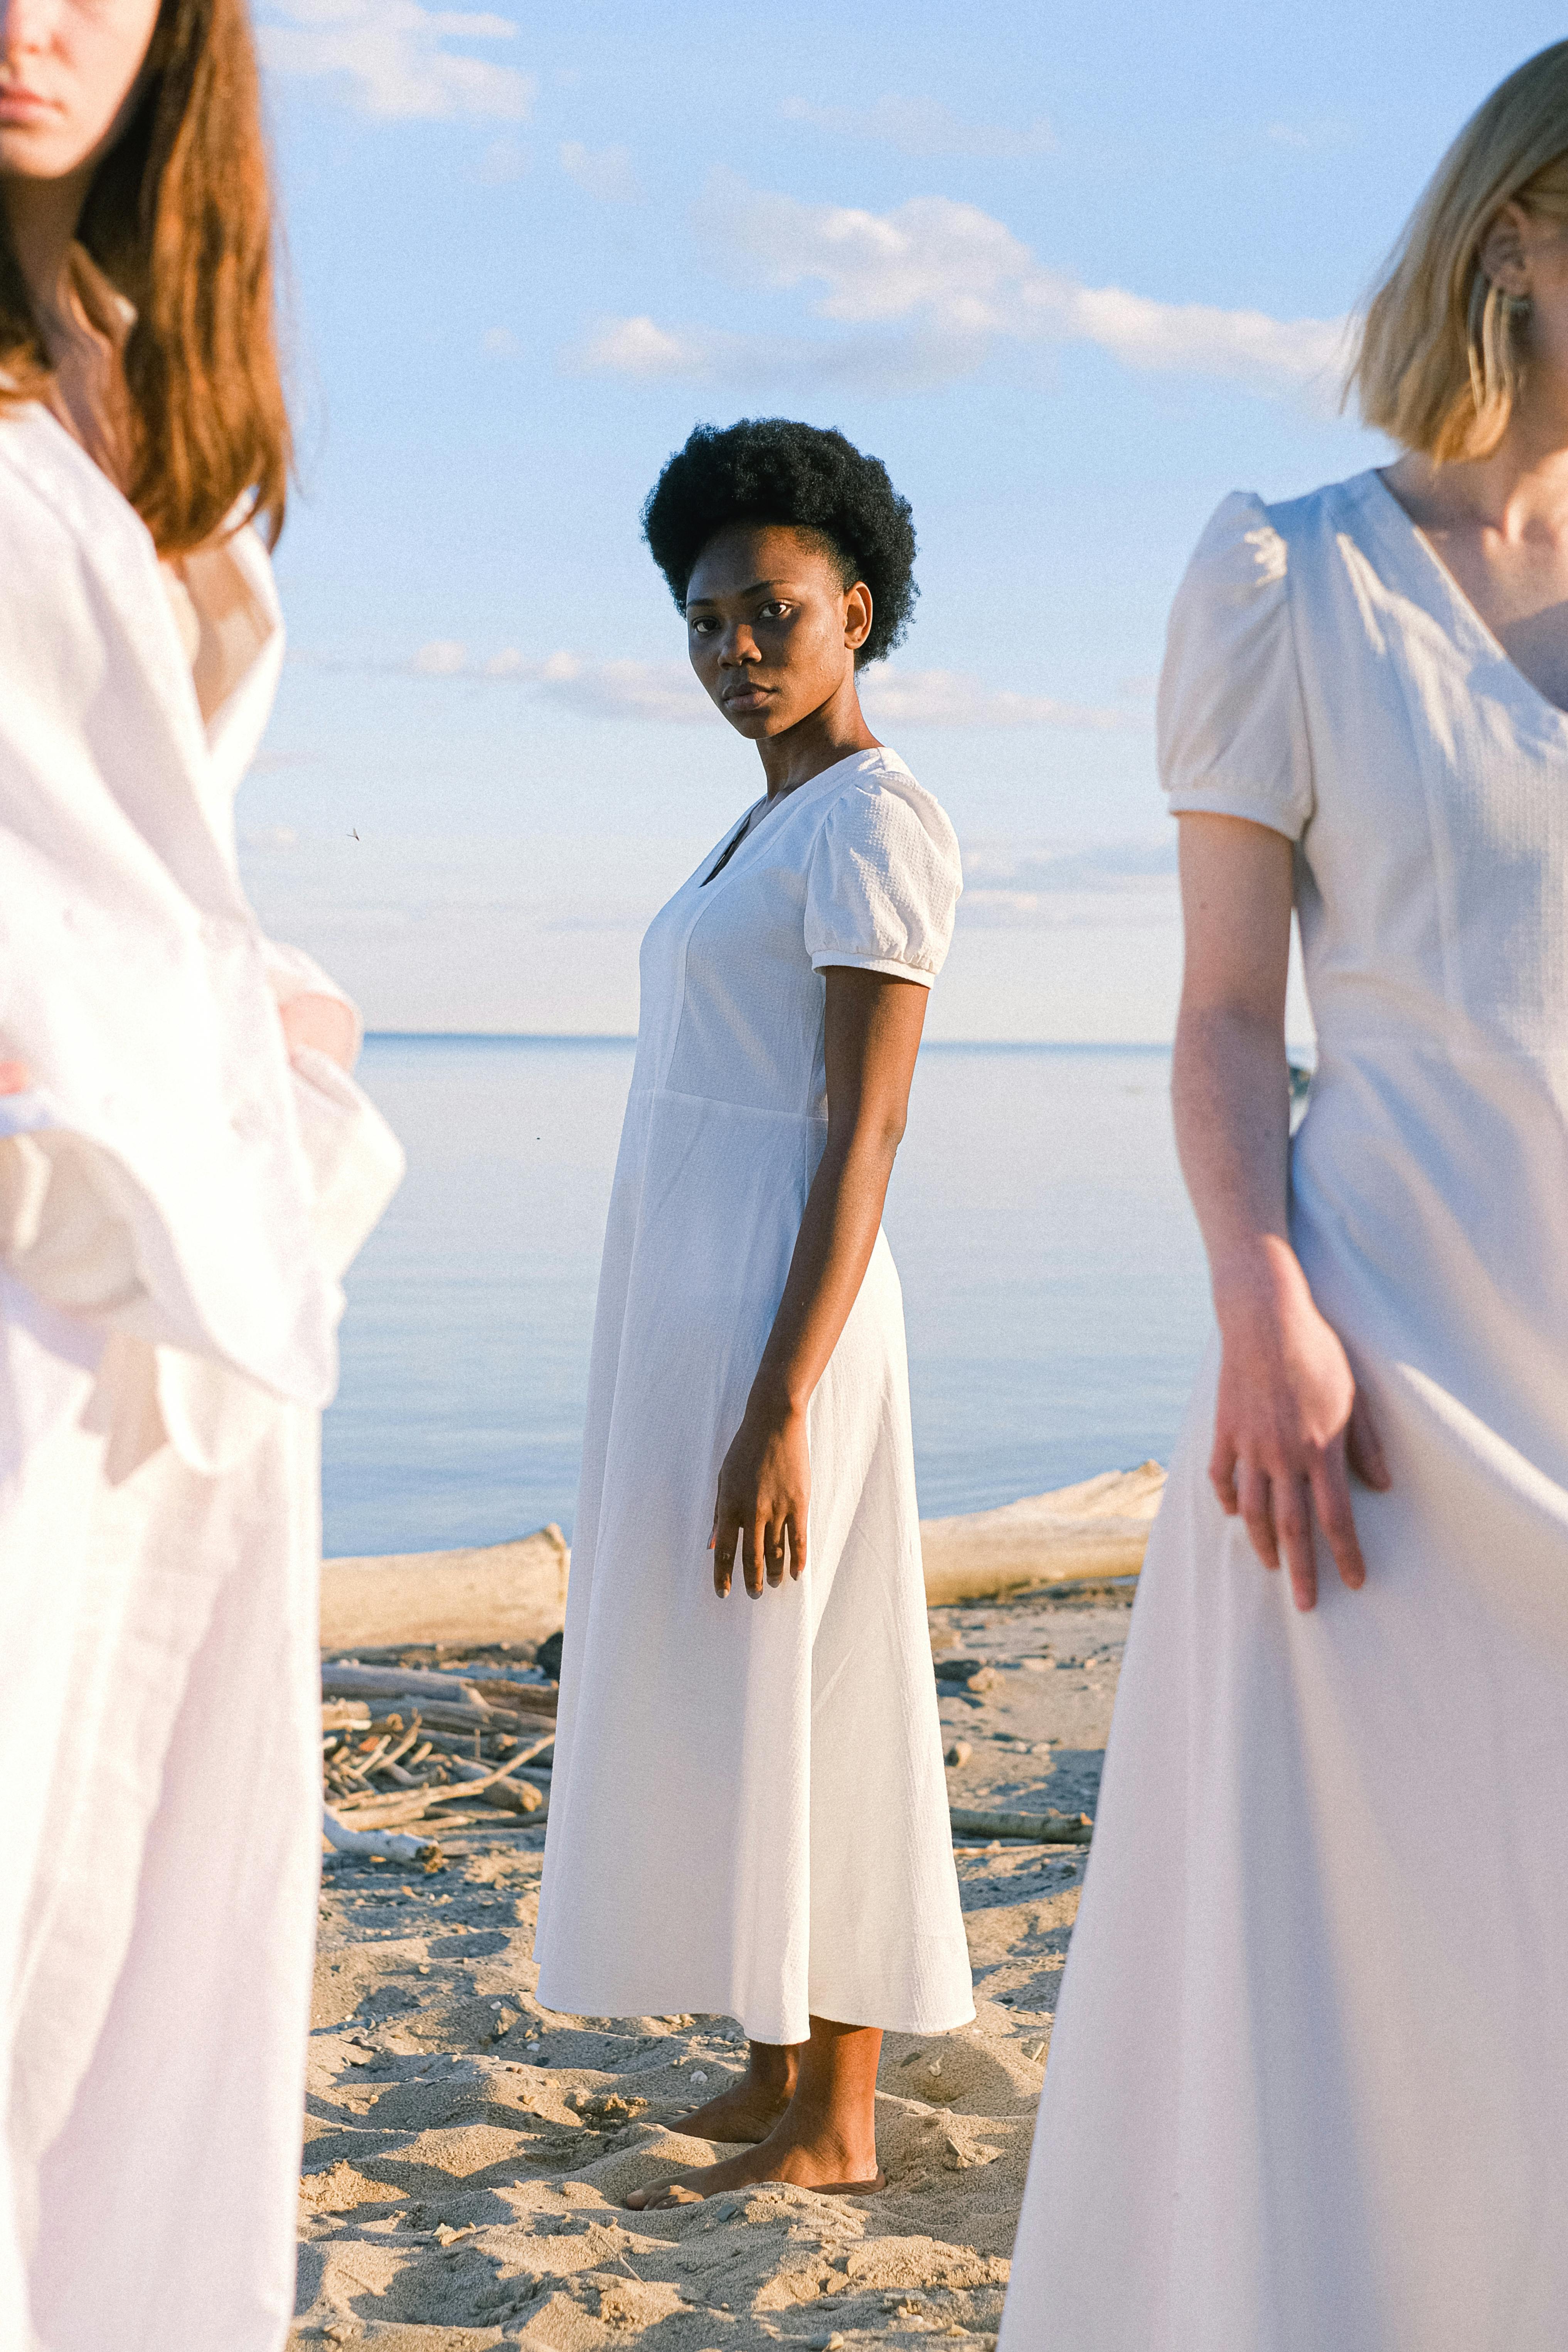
[428,1733]
[379,1844]
[1040,1829]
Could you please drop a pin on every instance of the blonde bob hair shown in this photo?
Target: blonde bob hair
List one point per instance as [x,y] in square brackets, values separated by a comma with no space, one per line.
[1441,354]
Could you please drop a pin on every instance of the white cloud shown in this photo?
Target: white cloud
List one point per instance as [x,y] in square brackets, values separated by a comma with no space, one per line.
[1135,862]
[1309,138]
[637,347]
[922,126]
[1193,338]
[504,160]
[661,691]
[1096,886]
[933,288]
[949,698]
[668,691]
[443,658]
[499,342]
[605,173]
[271,837]
[395,58]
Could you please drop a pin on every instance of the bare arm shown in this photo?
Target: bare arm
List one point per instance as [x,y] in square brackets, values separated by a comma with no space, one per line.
[873,1033]
[1289,1424]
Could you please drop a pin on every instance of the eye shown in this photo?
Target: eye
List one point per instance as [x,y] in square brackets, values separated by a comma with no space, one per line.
[703,626]
[774,609]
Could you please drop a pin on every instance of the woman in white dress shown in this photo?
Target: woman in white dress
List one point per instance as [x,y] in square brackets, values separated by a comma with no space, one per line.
[184,1170]
[1309,2082]
[749,1813]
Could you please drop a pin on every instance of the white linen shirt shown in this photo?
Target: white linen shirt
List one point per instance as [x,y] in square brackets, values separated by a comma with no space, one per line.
[168,1172]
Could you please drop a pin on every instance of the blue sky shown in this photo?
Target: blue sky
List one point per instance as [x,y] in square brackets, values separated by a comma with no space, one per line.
[1074,275]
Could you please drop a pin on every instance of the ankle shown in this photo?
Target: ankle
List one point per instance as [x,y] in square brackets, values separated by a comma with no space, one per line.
[773,2069]
[772,2082]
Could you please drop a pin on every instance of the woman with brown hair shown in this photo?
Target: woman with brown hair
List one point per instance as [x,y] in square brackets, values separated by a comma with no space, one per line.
[1309,2074]
[184,1170]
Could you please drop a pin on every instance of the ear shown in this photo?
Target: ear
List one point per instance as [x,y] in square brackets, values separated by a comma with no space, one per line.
[1503,252]
[857,615]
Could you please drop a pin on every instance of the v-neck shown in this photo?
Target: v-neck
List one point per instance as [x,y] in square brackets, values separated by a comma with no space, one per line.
[1464,605]
[724,860]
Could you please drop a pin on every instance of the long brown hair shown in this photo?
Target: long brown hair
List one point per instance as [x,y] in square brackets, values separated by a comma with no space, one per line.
[179,218]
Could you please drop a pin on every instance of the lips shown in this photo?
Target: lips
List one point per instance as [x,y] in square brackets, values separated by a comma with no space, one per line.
[18,105]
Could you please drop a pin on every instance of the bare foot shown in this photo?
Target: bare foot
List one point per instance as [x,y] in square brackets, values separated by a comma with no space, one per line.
[746,2109]
[805,2153]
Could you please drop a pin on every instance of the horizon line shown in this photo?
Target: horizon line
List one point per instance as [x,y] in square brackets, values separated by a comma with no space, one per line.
[628,1037]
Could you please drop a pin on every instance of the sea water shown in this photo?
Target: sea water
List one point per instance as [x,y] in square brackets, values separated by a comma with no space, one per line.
[1054,1285]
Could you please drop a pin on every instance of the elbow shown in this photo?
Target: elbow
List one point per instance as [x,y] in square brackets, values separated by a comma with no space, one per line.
[888,1134]
[872,1141]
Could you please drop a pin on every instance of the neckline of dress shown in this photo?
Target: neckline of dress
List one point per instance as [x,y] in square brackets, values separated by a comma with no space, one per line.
[1464,605]
[88,468]
[729,850]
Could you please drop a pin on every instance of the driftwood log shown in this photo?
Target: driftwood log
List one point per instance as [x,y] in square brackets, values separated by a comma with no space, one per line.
[1040,1829]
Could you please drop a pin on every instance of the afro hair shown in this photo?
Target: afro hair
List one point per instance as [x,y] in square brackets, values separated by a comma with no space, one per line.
[771,469]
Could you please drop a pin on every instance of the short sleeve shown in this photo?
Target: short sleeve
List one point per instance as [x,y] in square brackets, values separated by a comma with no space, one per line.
[1231,726]
[884,882]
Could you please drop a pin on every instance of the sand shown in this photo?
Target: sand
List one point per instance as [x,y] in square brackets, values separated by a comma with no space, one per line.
[467,2152]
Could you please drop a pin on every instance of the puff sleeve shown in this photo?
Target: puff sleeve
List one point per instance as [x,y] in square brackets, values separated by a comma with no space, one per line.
[884,882]
[1232,730]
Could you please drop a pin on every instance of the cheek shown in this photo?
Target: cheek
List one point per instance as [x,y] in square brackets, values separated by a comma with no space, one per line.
[816,644]
[106,48]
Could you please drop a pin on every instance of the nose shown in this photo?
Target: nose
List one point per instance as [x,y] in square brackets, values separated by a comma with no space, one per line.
[24,28]
[738,645]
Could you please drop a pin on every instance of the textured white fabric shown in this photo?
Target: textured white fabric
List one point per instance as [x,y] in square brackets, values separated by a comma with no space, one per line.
[134,971]
[176,1204]
[159,1741]
[749,1814]
[1311,2065]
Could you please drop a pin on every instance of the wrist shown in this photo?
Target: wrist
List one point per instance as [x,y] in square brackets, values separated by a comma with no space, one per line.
[775,1399]
[1258,1280]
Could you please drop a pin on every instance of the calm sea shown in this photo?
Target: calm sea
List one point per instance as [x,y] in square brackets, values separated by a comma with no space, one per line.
[1053,1281]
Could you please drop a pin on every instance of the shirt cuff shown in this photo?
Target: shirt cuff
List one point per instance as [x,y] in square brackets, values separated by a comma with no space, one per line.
[831,958]
[1252,807]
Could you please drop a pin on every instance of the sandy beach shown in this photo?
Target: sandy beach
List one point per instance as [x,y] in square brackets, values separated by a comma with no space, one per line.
[467,2152]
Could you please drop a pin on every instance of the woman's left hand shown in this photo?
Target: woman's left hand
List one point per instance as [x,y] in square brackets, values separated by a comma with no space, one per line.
[323,1021]
[764,1491]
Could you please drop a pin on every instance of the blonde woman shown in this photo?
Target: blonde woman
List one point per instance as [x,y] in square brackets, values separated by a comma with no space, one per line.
[1311,2069]
[184,1169]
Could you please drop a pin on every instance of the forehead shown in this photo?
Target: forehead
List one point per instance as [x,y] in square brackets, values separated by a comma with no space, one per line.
[745,553]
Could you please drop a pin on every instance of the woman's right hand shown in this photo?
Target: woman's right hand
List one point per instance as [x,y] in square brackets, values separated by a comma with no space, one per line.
[15,1077]
[764,1496]
[1291,1426]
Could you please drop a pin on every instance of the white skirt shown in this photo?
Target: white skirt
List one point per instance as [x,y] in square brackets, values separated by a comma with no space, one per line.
[1308,2085]
[749,1809]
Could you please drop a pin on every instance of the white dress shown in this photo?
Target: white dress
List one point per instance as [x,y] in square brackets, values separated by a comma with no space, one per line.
[176,1203]
[1310,2077]
[749,1814]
